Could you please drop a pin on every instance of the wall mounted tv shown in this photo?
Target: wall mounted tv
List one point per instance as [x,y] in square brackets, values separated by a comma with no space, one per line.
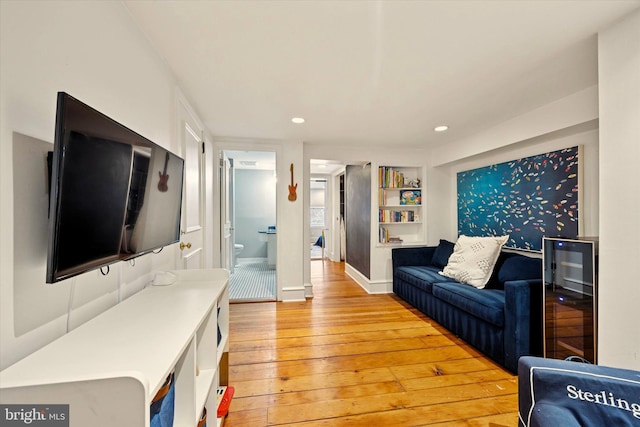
[114,195]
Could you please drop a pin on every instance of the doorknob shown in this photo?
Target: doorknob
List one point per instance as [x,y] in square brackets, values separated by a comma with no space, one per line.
[183,245]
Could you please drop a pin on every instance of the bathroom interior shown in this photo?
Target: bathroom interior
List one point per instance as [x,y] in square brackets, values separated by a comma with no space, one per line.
[252,206]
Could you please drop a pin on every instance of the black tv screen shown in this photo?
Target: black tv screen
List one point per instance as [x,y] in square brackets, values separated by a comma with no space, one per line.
[114,194]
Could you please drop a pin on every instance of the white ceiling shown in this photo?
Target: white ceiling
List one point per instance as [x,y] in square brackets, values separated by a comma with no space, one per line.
[374,72]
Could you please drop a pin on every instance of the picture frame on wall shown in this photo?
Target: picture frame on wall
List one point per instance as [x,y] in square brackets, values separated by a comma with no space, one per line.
[526,199]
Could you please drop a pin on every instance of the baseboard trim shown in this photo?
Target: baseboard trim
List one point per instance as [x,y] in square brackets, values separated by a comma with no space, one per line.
[370,286]
[293,294]
[249,260]
[308,290]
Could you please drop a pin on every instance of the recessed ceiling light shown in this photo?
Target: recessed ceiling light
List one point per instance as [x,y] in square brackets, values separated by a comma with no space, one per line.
[297,120]
[441,128]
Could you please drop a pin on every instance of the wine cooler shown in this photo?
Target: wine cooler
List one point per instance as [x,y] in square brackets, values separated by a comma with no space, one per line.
[570,308]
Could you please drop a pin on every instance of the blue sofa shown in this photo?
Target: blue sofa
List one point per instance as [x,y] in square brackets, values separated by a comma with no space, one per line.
[503,320]
[569,394]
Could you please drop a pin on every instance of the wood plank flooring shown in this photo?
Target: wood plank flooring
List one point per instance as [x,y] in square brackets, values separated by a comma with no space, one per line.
[346,358]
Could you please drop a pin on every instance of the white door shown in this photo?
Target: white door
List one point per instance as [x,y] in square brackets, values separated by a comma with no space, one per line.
[226,213]
[191,244]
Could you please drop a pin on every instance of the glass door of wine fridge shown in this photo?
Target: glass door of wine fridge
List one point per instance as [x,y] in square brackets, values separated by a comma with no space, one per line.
[570,298]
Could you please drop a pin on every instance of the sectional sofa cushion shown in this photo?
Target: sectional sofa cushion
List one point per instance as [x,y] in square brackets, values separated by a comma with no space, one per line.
[420,276]
[487,305]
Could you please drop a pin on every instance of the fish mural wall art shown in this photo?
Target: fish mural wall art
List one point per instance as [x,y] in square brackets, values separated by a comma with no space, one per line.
[526,199]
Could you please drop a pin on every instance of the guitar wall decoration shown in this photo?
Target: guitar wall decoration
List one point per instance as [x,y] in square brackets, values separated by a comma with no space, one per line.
[292,187]
[164,177]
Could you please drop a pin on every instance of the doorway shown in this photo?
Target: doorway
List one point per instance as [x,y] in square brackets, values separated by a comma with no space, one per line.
[318,213]
[248,211]
[326,210]
[334,172]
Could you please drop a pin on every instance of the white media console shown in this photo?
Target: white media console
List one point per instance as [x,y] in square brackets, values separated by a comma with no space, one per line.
[109,369]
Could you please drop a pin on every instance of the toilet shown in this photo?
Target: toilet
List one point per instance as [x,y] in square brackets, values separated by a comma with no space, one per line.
[237,248]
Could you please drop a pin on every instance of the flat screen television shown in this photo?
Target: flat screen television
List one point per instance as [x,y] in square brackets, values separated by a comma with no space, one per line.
[115,195]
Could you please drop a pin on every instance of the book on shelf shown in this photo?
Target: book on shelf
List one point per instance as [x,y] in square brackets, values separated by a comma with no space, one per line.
[382,197]
[411,197]
[387,215]
[385,237]
[390,178]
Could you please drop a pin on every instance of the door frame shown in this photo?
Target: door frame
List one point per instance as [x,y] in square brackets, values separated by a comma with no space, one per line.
[226,212]
[243,144]
[192,252]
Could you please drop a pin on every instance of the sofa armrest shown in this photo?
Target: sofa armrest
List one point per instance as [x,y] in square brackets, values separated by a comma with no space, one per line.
[560,393]
[419,256]
[523,320]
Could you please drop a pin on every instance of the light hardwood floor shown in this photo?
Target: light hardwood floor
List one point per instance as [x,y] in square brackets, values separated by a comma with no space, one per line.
[346,358]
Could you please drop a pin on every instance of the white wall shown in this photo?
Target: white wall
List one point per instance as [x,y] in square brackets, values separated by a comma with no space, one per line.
[564,123]
[292,247]
[93,51]
[255,210]
[619,74]
[563,113]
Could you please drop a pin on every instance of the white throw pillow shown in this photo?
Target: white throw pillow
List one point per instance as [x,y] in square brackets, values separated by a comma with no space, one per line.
[473,259]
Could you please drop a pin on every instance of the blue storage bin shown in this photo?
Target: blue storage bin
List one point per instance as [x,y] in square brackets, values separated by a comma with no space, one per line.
[162,405]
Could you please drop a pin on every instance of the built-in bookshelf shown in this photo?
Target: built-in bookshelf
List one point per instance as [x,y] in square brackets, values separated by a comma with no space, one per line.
[400,205]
